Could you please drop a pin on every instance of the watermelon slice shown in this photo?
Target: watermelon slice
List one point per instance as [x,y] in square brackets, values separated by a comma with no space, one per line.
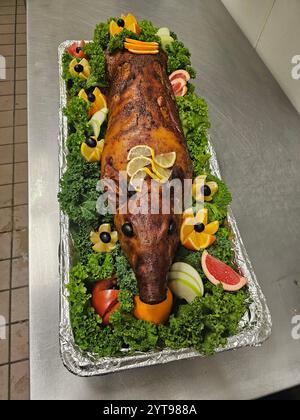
[218,272]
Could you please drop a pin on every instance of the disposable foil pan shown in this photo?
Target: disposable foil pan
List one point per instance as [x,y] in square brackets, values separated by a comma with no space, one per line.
[255,327]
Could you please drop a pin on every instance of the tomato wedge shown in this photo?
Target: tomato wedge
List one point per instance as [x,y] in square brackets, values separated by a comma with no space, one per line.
[104,300]
[106,317]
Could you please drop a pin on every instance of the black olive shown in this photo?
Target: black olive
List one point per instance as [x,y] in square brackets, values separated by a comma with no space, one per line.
[127,229]
[91,142]
[89,90]
[78,68]
[121,23]
[199,227]
[78,49]
[105,237]
[91,97]
[172,227]
[70,83]
[206,191]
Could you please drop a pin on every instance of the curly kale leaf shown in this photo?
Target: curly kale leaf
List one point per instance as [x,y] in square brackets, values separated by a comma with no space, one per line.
[218,207]
[148,31]
[78,189]
[193,113]
[206,322]
[179,58]
[126,278]
[77,112]
[97,63]
[101,35]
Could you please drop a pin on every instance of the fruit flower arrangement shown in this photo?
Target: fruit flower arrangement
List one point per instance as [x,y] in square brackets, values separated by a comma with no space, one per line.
[205,297]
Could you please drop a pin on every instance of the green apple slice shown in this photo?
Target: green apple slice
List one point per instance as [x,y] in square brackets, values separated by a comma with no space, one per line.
[96,126]
[100,116]
[163,31]
[166,40]
[97,120]
[182,286]
[181,267]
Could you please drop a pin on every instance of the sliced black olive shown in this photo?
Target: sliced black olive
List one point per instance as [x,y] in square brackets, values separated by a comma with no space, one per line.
[172,227]
[199,227]
[121,23]
[78,49]
[91,142]
[91,97]
[105,237]
[127,229]
[206,191]
[78,68]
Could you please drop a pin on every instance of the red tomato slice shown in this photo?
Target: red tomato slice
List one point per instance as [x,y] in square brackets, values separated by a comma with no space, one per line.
[104,300]
[72,50]
[105,319]
[105,284]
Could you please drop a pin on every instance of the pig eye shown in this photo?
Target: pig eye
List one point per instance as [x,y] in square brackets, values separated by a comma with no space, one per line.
[172,227]
[127,229]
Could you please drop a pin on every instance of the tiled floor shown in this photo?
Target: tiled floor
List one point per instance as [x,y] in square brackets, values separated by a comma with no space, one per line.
[14,364]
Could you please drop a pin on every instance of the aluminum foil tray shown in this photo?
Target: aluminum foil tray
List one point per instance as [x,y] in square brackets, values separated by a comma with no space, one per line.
[255,327]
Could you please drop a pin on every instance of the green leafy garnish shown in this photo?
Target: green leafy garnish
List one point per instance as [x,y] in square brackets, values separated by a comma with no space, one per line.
[193,114]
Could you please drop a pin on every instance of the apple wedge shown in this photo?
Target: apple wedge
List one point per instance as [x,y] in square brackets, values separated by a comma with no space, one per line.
[185,282]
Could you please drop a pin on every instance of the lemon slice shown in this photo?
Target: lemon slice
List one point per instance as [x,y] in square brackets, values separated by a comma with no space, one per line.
[137,163]
[137,179]
[166,160]
[141,150]
[162,173]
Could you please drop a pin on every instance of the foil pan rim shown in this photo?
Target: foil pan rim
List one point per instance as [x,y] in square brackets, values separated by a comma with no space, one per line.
[255,327]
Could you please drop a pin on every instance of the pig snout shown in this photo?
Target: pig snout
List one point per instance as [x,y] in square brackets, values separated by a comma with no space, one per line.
[152,280]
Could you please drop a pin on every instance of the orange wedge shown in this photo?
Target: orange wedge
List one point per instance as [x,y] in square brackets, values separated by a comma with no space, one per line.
[187,228]
[129,20]
[114,28]
[196,242]
[137,42]
[143,51]
[212,228]
[139,47]
[134,27]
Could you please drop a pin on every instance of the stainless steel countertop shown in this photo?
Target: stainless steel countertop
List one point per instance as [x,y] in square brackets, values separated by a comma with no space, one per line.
[256,133]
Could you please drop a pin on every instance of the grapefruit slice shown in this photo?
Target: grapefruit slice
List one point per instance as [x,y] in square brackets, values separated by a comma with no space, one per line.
[218,272]
[181,74]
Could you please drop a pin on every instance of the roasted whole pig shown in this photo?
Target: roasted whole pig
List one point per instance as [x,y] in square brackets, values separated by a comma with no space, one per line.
[142,110]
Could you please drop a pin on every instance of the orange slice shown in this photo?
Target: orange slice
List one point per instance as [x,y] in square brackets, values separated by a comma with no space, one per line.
[134,27]
[143,51]
[212,228]
[100,99]
[187,228]
[195,241]
[114,28]
[140,47]
[137,42]
[129,20]
[157,314]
